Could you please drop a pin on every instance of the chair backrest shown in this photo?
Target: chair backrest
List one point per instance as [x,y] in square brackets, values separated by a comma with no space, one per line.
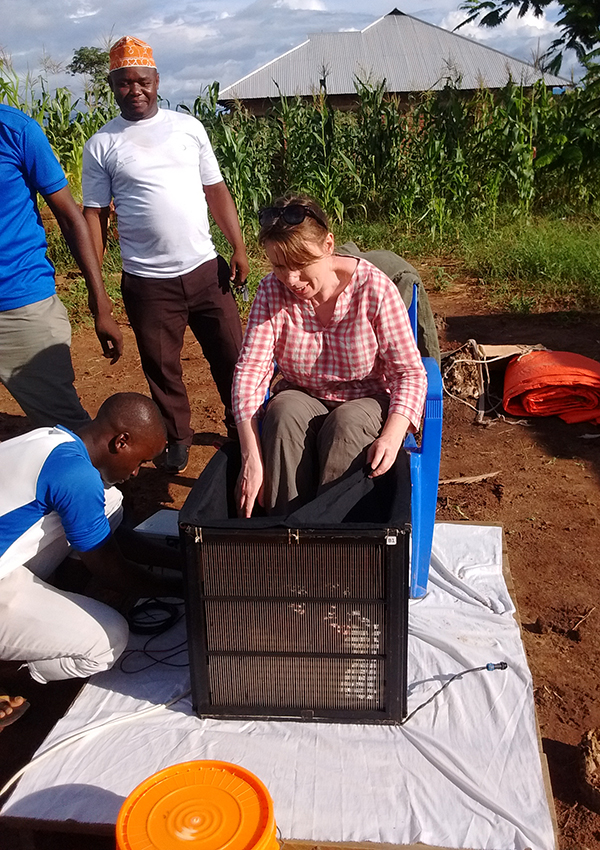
[424,467]
[413,309]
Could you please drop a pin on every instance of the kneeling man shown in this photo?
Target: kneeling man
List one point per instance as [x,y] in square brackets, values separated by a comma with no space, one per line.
[56,496]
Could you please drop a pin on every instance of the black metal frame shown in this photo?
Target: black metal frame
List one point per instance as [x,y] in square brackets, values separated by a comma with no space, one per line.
[394,542]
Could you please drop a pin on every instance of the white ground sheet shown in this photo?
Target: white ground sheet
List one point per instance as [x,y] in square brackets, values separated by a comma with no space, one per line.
[464,772]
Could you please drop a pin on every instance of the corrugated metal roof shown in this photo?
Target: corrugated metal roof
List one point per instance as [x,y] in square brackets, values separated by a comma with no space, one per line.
[409,54]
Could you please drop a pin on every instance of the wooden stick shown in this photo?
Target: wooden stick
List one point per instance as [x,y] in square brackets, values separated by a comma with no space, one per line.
[576,626]
[472,479]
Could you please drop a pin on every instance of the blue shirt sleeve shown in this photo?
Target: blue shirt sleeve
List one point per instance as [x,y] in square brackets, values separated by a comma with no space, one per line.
[70,485]
[42,169]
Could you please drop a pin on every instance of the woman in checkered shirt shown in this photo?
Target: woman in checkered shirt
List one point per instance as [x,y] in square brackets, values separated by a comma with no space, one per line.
[352,381]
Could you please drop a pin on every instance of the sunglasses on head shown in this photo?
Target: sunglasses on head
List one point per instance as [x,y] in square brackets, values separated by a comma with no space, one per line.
[292,214]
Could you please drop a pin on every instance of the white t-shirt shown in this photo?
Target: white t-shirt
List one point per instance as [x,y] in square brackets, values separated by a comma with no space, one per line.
[154,169]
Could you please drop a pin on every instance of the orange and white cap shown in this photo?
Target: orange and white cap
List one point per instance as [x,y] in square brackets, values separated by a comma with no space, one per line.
[130,52]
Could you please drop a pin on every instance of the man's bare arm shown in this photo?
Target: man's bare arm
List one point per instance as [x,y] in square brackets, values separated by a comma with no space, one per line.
[97,221]
[223,210]
[77,237]
[142,549]
[109,566]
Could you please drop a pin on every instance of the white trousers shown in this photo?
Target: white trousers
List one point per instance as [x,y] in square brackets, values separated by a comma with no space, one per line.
[59,635]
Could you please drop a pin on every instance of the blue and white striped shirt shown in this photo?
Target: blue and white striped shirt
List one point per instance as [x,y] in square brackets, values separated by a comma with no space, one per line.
[48,470]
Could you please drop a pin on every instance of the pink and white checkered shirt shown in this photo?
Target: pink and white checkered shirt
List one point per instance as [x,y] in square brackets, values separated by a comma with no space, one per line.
[367,348]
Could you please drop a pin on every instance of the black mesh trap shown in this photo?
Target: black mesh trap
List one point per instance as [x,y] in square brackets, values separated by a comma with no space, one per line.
[301,617]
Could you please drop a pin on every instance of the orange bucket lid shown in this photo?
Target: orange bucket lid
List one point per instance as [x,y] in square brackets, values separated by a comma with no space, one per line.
[211,805]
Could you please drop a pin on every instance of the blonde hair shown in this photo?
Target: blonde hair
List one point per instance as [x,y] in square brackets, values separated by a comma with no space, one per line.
[297,244]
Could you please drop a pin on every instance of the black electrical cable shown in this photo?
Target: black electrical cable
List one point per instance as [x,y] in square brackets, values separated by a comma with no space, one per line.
[152,617]
[173,651]
[501,665]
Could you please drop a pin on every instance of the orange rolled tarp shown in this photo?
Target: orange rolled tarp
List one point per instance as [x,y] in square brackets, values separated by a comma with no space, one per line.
[553,383]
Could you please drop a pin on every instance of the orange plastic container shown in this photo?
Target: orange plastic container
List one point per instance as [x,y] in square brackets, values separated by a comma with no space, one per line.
[210,805]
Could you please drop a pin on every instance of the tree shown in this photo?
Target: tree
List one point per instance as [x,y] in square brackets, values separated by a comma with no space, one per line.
[93,64]
[579,24]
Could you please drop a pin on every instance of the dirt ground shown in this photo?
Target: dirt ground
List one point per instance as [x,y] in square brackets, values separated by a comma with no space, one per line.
[544,492]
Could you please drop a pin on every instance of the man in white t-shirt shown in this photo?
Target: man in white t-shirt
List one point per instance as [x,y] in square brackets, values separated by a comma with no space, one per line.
[159,168]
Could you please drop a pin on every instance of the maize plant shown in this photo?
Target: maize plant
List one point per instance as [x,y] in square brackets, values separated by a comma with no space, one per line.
[429,164]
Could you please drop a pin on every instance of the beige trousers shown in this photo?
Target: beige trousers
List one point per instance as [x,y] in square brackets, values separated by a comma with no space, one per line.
[35,363]
[309,444]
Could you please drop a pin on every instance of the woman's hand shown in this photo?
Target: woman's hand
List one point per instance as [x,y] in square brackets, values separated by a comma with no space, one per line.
[383,452]
[249,486]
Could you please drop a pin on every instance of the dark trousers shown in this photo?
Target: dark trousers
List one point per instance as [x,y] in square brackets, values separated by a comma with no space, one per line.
[159,309]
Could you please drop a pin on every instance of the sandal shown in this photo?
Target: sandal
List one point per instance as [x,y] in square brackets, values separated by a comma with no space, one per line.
[15,710]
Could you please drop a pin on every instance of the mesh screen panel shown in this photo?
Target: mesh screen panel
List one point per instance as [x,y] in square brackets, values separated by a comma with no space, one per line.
[310,624]
[281,569]
[304,683]
[348,628]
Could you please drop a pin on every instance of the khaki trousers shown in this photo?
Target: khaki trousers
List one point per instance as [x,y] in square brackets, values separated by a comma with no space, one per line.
[309,444]
[35,363]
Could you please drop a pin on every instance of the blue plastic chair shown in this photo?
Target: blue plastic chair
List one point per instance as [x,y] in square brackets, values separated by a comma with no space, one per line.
[424,470]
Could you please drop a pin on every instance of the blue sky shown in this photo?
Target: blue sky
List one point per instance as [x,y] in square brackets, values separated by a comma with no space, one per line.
[198,41]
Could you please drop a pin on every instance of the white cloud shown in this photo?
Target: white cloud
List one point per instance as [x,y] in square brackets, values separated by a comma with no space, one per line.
[301,5]
[177,35]
[525,38]
[528,21]
[83,12]
[525,27]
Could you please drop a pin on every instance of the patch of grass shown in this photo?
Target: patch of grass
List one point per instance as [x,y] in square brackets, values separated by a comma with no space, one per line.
[58,251]
[72,291]
[70,285]
[522,304]
[441,279]
[259,267]
[546,264]
[111,265]
[542,265]
[391,235]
